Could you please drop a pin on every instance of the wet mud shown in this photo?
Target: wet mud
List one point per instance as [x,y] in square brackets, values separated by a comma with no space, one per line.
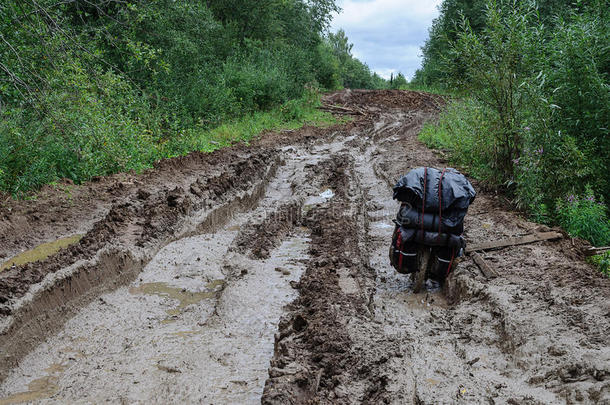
[260,274]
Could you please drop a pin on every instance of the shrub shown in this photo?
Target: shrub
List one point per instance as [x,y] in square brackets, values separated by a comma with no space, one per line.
[463,130]
[602,262]
[550,165]
[94,87]
[87,131]
[539,80]
[575,72]
[585,217]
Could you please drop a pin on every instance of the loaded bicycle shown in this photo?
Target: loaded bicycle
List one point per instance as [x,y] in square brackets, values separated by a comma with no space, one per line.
[428,230]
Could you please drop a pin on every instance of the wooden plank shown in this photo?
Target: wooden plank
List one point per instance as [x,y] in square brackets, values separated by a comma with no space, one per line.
[522,240]
[483,265]
[596,250]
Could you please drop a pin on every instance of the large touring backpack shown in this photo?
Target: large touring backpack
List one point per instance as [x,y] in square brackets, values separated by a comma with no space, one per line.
[433,206]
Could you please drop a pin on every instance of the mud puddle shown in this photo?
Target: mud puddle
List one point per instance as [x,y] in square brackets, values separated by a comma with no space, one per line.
[433,363]
[193,335]
[41,252]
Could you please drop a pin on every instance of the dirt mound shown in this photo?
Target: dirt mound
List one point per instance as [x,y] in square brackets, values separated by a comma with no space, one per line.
[396,99]
[314,351]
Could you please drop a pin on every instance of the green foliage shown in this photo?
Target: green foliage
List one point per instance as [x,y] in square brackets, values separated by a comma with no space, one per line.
[445,30]
[442,33]
[463,130]
[575,80]
[94,87]
[602,262]
[328,67]
[108,141]
[536,101]
[398,82]
[492,68]
[352,73]
[86,132]
[585,217]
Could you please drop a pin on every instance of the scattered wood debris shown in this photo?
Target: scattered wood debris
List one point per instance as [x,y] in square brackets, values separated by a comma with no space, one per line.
[337,109]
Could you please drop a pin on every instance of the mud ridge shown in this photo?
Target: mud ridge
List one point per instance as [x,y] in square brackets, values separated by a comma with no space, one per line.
[315,358]
[263,237]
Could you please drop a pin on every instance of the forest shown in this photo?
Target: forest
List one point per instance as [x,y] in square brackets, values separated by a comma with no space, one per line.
[93,87]
[531,103]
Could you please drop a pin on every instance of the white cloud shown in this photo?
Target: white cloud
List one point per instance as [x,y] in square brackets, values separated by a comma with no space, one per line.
[387,34]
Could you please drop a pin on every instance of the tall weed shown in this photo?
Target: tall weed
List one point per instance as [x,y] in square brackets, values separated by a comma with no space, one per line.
[586,217]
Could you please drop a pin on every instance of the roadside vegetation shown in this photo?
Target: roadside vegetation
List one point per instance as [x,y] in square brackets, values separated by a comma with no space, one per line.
[531,109]
[93,87]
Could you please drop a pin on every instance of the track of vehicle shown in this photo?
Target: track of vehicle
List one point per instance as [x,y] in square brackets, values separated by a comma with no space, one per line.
[260,273]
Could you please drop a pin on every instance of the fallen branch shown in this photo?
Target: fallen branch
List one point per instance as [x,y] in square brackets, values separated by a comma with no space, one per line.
[522,240]
[486,269]
[596,250]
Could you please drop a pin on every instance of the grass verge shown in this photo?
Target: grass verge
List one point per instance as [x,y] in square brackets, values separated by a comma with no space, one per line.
[106,143]
[292,115]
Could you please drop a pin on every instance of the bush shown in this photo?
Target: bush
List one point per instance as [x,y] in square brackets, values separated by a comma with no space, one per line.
[575,80]
[463,131]
[86,132]
[549,166]
[602,262]
[257,82]
[536,107]
[95,87]
[493,66]
[585,217]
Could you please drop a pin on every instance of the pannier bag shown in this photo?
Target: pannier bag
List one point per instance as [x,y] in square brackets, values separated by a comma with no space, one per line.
[403,251]
[446,193]
[410,217]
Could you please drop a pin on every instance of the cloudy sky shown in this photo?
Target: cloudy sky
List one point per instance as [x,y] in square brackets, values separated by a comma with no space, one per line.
[387,34]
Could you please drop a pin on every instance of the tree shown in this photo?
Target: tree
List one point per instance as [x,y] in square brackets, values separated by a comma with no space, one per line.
[399,81]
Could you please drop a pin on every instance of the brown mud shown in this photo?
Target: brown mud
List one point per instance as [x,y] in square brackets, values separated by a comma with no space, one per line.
[260,273]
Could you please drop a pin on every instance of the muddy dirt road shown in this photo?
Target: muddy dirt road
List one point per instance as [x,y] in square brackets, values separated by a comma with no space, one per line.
[260,273]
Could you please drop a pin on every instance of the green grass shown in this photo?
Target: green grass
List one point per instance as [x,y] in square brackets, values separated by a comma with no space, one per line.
[107,143]
[292,115]
[462,131]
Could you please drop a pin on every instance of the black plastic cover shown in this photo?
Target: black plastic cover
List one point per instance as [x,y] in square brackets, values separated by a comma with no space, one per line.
[450,196]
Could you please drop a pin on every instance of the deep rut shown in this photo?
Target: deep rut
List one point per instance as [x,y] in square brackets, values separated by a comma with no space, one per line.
[288,296]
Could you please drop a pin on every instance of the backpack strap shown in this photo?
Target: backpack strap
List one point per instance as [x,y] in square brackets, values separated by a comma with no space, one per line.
[423,206]
[450,262]
[440,203]
[399,247]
